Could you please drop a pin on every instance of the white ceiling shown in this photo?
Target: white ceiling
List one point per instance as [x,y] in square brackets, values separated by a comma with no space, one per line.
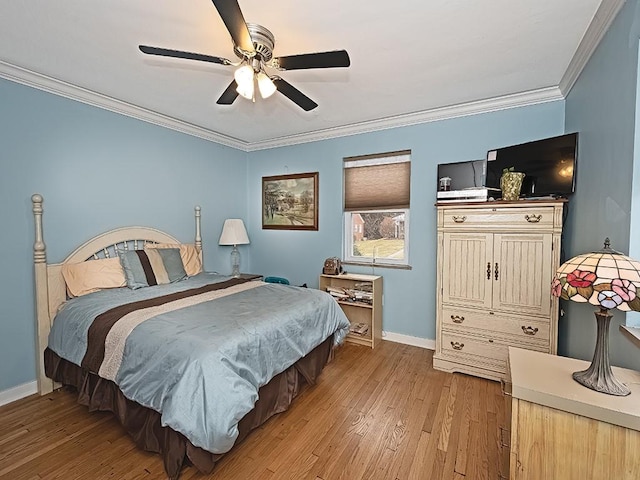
[411,60]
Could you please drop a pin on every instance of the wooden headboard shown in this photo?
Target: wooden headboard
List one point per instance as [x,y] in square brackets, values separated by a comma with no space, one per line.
[50,288]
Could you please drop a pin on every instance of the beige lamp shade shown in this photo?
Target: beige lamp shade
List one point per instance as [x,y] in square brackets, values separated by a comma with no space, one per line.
[233,232]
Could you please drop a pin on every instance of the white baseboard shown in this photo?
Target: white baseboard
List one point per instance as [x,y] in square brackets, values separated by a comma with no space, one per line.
[409,340]
[18,392]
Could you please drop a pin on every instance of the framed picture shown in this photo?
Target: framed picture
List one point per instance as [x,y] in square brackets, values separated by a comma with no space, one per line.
[290,202]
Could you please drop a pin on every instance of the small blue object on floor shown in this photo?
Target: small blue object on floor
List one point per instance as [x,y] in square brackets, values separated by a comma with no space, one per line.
[284,281]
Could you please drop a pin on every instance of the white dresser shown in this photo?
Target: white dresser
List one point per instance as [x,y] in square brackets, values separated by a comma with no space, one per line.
[495,263]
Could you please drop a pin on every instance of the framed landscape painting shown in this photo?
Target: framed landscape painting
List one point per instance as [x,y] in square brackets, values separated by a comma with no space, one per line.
[290,202]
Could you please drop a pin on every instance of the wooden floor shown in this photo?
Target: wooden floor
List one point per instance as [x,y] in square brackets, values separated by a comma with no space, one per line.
[374,414]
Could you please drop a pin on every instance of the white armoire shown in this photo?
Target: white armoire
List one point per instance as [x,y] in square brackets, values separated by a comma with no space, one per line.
[495,264]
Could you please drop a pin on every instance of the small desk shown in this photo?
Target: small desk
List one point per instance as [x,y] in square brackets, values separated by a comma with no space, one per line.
[563,430]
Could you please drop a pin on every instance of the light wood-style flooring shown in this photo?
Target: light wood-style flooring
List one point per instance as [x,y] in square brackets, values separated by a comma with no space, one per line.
[374,414]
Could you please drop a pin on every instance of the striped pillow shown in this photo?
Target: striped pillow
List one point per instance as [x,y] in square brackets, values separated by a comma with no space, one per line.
[145,268]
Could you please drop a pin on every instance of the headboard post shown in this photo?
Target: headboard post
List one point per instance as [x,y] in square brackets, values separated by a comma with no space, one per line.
[43,321]
[198,240]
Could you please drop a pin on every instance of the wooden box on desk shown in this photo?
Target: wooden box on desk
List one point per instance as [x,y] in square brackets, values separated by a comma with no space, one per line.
[358,311]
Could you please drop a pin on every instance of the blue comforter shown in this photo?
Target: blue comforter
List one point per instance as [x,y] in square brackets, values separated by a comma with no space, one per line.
[201,365]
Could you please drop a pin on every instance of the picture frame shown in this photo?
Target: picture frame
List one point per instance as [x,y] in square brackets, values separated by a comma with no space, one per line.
[290,202]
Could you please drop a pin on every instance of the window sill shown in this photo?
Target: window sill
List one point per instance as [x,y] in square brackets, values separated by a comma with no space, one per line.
[633,333]
[397,266]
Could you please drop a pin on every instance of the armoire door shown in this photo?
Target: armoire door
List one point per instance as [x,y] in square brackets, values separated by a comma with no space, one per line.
[522,273]
[467,269]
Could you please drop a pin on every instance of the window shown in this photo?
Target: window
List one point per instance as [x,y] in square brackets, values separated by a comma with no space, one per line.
[376,208]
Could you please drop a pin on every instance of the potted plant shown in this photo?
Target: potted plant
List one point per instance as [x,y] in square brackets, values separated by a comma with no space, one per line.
[510,184]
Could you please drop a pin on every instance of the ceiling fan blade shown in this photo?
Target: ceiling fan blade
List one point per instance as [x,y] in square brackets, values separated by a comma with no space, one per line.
[165,52]
[232,17]
[295,95]
[336,58]
[229,95]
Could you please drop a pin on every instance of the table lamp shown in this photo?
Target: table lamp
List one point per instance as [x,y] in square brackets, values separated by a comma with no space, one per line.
[234,233]
[607,279]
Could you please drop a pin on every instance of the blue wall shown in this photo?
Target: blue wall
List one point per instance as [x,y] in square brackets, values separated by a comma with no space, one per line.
[602,107]
[409,295]
[96,170]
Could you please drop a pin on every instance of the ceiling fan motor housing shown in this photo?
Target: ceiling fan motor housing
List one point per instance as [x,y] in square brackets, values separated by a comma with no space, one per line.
[263,41]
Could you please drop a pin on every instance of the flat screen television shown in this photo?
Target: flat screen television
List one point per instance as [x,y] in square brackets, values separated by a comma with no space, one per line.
[549,166]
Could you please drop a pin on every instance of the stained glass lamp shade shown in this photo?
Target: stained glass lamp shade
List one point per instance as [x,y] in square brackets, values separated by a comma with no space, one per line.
[607,279]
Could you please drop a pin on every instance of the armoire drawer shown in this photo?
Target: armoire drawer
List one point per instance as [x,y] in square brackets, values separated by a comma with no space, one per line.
[522,327]
[475,350]
[528,218]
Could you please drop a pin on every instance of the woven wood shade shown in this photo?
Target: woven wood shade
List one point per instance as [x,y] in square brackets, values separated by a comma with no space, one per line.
[377,182]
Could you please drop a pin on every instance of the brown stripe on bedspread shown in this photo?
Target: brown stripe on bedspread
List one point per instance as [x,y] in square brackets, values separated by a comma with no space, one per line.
[101,325]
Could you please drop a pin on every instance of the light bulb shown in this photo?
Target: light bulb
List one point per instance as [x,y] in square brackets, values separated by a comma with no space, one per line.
[246,91]
[243,74]
[265,85]
[244,80]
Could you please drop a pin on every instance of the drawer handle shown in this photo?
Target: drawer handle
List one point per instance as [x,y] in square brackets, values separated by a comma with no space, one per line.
[457,318]
[502,432]
[503,388]
[457,345]
[459,219]
[497,272]
[488,270]
[533,218]
[529,330]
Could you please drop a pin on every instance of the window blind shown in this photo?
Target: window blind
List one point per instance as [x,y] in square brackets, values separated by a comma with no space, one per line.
[377,182]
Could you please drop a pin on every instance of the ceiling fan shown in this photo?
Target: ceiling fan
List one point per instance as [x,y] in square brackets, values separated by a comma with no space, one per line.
[253,44]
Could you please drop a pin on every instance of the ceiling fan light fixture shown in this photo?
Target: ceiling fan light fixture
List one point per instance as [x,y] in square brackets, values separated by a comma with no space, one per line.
[244,80]
[246,90]
[265,85]
[243,75]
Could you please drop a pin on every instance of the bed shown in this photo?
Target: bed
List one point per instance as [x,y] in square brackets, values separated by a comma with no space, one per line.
[189,361]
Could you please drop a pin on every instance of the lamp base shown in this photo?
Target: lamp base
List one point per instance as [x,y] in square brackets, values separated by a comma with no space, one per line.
[235,262]
[599,376]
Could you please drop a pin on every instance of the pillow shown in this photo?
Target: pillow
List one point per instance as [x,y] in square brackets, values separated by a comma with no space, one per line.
[188,252]
[144,268]
[93,275]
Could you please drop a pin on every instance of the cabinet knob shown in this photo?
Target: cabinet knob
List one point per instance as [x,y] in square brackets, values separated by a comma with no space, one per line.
[457,318]
[533,218]
[529,330]
[459,219]
[457,345]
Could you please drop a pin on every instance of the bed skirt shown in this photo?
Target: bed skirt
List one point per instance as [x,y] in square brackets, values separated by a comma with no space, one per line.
[143,424]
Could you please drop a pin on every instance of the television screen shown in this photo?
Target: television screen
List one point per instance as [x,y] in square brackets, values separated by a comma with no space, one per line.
[549,165]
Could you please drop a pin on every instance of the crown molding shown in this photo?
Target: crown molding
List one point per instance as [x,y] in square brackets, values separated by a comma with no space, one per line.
[73,92]
[533,97]
[602,20]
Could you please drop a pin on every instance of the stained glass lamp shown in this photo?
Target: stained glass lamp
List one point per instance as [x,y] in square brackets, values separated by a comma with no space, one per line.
[607,279]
